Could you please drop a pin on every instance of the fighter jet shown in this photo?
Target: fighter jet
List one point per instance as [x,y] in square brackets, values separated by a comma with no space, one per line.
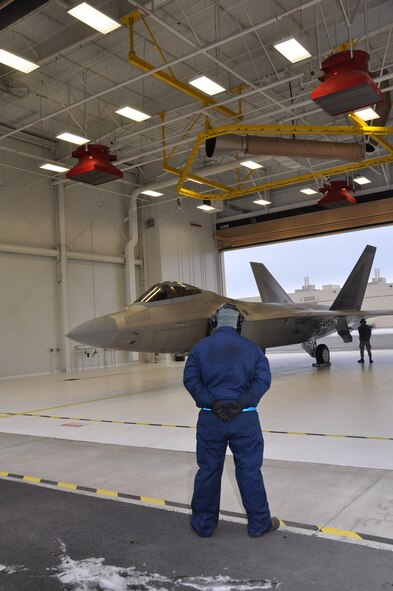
[172,316]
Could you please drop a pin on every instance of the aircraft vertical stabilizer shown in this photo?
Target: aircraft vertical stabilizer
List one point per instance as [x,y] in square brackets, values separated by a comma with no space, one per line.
[269,289]
[352,293]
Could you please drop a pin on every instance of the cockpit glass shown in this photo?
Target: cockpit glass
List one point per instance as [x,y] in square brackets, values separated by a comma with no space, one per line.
[168,291]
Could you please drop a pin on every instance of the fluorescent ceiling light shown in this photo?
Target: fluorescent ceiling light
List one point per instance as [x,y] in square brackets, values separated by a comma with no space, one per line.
[94,18]
[367,114]
[72,138]
[195,181]
[361,180]
[151,193]
[13,61]
[262,202]
[206,205]
[308,191]
[133,114]
[54,167]
[251,164]
[292,50]
[206,85]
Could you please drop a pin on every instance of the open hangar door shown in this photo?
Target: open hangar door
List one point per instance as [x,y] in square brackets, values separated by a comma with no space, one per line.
[312,269]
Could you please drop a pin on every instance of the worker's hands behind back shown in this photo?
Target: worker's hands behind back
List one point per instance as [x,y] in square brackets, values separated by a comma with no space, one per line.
[226,411]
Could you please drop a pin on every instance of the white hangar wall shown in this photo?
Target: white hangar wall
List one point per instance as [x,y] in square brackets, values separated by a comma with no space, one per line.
[42,293]
[63,261]
[179,245]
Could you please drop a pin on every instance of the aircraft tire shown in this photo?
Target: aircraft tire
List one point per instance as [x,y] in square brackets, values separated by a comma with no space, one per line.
[322,354]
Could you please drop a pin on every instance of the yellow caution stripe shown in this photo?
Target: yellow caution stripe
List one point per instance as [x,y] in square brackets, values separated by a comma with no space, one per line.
[342,533]
[318,529]
[169,425]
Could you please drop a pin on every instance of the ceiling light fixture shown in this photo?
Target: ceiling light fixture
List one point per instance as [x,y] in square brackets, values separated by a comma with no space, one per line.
[206,205]
[292,50]
[362,180]
[308,191]
[206,85]
[195,181]
[367,114]
[94,18]
[133,114]
[72,138]
[151,193]
[54,167]
[251,164]
[262,202]
[14,61]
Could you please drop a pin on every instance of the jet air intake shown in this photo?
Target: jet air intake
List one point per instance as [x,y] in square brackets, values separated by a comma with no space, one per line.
[273,146]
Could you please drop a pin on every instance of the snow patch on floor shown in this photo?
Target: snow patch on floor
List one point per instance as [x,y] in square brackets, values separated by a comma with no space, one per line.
[92,574]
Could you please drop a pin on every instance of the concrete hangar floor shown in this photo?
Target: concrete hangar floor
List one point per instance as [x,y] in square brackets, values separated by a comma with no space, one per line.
[97,468]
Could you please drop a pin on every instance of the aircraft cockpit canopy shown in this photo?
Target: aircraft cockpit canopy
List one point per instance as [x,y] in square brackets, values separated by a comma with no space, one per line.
[168,291]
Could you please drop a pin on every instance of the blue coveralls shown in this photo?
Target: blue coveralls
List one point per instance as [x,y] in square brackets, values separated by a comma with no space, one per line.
[226,366]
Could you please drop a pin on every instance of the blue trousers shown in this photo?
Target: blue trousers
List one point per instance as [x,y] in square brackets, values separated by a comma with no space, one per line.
[244,436]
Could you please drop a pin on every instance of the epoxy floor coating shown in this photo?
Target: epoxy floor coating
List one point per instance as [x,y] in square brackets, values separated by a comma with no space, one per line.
[328,443]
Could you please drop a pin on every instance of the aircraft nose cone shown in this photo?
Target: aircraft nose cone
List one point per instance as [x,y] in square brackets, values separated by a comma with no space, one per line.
[95,333]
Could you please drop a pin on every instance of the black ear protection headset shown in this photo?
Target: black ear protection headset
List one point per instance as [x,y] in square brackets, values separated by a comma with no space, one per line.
[240,318]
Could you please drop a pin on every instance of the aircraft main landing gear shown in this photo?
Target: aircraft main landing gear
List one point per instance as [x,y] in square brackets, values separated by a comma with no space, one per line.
[322,356]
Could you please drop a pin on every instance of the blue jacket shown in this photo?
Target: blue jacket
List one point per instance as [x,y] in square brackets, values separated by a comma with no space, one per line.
[226,366]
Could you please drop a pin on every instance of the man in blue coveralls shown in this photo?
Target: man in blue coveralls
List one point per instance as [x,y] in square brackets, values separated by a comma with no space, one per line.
[227,375]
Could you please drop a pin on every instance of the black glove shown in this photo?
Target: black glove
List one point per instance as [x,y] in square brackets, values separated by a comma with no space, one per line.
[226,411]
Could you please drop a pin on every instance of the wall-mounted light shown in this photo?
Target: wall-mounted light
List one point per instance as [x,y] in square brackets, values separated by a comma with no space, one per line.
[14,61]
[206,205]
[292,50]
[94,18]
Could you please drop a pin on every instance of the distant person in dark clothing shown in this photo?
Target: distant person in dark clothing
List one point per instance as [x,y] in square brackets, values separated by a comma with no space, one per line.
[227,375]
[364,330]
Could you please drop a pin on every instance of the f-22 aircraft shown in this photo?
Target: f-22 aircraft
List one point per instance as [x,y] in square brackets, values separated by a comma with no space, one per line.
[172,316]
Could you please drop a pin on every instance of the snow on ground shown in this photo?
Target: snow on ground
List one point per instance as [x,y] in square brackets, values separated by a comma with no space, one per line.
[92,574]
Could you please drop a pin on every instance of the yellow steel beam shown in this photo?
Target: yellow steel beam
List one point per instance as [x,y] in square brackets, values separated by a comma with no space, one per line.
[181,86]
[199,179]
[129,20]
[290,181]
[298,130]
[360,129]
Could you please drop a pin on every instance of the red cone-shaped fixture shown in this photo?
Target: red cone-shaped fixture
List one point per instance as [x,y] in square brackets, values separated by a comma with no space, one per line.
[336,195]
[347,84]
[94,166]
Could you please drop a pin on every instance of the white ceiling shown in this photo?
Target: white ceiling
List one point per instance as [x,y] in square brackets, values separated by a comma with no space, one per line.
[85,76]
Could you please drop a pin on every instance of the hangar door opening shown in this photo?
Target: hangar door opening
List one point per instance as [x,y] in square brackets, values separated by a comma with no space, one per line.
[313,270]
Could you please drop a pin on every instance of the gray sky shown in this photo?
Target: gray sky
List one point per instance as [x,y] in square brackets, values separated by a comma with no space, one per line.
[325,260]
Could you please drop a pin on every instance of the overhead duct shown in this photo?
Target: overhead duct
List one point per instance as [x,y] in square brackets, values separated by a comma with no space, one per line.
[336,195]
[273,146]
[346,84]
[94,166]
